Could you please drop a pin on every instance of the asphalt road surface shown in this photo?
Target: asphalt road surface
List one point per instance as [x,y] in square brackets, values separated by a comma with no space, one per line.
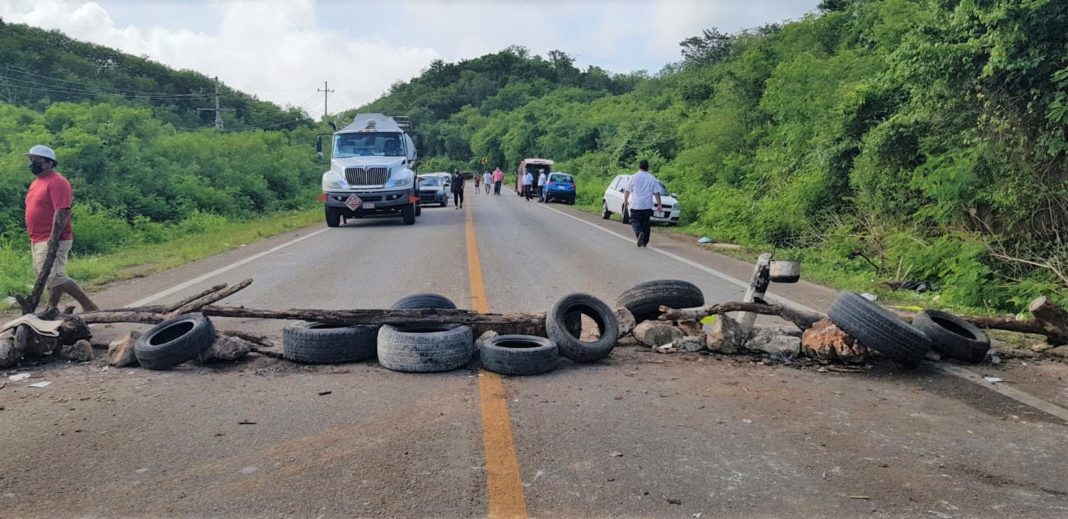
[640,434]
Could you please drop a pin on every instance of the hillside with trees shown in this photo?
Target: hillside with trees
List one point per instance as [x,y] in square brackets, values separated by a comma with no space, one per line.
[878,139]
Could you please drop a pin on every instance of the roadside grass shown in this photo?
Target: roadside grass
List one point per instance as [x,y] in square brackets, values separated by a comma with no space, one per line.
[16,268]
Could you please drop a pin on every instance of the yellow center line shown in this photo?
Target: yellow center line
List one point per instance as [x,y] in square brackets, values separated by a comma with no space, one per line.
[503,485]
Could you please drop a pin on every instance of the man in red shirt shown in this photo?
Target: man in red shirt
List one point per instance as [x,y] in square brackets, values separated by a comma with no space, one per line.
[48,214]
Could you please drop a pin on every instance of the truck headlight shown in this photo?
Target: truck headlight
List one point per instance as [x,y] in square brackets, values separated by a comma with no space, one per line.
[336,184]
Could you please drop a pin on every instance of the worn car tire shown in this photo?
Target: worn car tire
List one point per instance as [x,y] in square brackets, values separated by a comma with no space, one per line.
[644,299]
[333,217]
[175,341]
[519,355]
[423,301]
[318,343]
[408,212]
[424,348]
[952,336]
[876,328]
[605,213]
[571,346]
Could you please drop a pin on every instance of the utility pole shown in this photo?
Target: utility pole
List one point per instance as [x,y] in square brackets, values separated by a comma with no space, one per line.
[218,111]
[326,93]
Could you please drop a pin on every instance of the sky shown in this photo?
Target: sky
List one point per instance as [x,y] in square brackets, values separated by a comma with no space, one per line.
[285,50]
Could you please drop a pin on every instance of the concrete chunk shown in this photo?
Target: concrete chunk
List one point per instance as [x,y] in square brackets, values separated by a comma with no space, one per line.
[656,333]
[121,352]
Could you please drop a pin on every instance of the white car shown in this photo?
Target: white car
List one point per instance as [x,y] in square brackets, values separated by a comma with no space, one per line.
[613,203]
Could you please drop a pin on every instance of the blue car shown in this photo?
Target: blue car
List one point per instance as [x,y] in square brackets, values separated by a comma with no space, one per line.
[559,186]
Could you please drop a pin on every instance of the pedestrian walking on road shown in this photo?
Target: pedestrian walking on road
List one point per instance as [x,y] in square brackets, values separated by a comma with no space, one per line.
[478,178]
[487,179]
[541,185]
[48,204]
[528,185]
[638,196]
[498,178]
[458,189]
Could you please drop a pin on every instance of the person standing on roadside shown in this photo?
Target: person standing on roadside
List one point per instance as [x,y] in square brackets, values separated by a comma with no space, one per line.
[48,204]
[458,189]
[478,178]
[528,184]
[541,185]
[498,178]
[638,196]
[487,179]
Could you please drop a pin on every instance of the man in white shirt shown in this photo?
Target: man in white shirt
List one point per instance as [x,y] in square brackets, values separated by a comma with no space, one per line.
[528,180]
[638,196]
[487,180]
[541,186]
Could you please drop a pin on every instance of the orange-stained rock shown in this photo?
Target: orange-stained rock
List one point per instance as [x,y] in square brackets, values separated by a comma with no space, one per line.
[825,341]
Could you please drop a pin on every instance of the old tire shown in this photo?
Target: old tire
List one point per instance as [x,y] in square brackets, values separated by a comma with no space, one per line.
[875,327]
[333,217]
[605,213]
[408,212]
[423,301]
[644,299]
[318,343]
[175,341]
[424,348]
[519,355]
[571,346]
[952,336]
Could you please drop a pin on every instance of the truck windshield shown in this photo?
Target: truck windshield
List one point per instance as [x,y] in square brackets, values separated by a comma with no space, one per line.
[367,144]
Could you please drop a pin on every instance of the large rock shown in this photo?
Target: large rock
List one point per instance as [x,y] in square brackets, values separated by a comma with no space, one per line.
[774,342]
[689,343]
[8,356]
[29,343]
[1059,351]
[121,352]
[725,335]
[656,333]
[226,347]
[80,351]
[825,341]
[626,321]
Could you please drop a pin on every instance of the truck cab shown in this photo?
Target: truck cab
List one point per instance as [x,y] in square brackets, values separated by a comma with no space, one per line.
[371,171]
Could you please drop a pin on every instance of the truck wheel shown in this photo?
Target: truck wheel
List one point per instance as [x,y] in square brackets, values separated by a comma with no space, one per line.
[519,355]
[318,343]
[175,341]
[877,328]
[605,213]
[333,216]
[424,348]
[409,214]
[644,299]
[572,346]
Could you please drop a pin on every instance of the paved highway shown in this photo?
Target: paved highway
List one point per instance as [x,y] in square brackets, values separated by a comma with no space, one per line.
[638,435]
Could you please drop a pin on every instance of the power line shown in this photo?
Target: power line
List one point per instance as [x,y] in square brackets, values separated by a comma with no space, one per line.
[95,90]
[218,111]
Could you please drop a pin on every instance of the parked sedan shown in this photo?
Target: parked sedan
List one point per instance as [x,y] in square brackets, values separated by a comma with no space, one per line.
[613,203]
[433,190]
[559,186]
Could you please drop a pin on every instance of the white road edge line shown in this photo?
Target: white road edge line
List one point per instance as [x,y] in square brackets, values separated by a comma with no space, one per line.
[1006,390]
[948,369]
[216,272]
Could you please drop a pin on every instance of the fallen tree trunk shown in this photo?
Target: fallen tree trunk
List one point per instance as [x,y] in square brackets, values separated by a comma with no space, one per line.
[338,317]
[802,319]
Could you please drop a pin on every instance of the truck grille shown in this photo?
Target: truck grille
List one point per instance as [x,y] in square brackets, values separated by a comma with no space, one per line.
[366,177]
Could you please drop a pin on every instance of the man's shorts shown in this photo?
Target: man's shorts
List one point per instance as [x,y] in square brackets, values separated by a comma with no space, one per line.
[59,267]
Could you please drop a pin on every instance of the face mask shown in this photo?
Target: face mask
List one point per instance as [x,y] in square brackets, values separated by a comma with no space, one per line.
[36,168]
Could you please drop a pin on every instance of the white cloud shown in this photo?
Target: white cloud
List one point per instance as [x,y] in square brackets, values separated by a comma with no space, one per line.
[283,50]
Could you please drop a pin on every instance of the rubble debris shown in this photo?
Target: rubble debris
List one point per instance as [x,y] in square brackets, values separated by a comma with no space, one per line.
[826,342]
[227,347]
[626,321]
[689,343]
[690,327]
[121,351]
[41,385]
[769,340]
[726,335]
[80,351]
[7,354]
[666,348]
[19,376]
[655,333]
[1059,351]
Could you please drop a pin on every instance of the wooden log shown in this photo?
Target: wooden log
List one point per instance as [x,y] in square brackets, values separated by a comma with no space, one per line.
[192,298]
[340,317]
[207,299]
[29,305]
[802,319]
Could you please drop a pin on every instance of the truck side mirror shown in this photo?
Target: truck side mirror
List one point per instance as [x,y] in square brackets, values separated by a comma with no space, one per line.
[319,148]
